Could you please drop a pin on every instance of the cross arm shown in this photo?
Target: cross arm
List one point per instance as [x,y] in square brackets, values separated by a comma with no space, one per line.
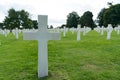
[54,36]
[30,36]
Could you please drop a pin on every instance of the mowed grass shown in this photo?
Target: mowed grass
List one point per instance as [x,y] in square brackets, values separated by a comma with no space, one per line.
[91,58]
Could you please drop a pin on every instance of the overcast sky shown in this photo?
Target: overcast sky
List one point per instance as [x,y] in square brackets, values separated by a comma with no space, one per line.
[57,10]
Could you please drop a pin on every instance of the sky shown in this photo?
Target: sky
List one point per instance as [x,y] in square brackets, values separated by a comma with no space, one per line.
[57,10]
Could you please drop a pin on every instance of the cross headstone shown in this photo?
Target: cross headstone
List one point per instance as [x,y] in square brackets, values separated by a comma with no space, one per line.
[97,29]
[16,33]
[102,30]
[118,29]
[110,29]
[5,33]
[88,29]
[78,33]
[64,33]
[72,30]
[43,36]
[84,32]
[1,31]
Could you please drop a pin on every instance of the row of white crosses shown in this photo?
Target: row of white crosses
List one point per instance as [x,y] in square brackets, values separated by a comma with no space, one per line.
[16,33]
[85,30]
[4,32]
[42,36]
[100,29]
[65,30]
[109,30]
[72,30]
[117,29]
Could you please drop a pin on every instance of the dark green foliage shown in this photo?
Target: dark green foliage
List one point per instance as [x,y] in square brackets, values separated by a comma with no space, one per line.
[51,27]
[86,20]
[15,19]
[35,24]
[26,22]
[12,20]
[112,15]
[62,26]
[100,17]
[1,25]
[72,20]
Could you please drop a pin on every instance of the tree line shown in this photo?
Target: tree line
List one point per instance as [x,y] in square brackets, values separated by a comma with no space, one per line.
[21,19]
[73,19]
[109,15]
[106,16]
[18,19]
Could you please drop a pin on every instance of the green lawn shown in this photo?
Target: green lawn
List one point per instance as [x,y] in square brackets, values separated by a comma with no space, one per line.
[92,58]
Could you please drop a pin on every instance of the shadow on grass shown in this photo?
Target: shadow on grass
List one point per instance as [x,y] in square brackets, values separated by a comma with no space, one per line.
[46,77]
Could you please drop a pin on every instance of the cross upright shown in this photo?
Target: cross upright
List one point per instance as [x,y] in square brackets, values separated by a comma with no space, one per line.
[43,36]
[78,33]
[16,33]
[110,29]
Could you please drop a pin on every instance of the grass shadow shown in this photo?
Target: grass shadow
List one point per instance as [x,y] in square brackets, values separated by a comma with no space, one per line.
[46,77]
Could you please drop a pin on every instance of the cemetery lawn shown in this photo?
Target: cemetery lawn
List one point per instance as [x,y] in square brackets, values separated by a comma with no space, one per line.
[92,58]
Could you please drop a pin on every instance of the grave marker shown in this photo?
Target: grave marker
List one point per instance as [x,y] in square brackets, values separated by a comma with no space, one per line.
[5,32]
[84,32]
[110,29]
[72,30]
[43,36]
[16,33]
[78,33]
[118,29]
[64,33]
[102,30]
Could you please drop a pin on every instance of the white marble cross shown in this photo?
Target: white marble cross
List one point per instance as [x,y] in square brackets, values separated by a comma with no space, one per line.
[110,29]
[64,33]
[78,33]
[72,30]
[84,32]
[5,32]
[43,36]
[17,33]
[102,30]
[118,29]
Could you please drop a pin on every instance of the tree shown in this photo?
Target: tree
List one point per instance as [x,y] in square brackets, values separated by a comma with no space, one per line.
[62,26]
[1,25]
[25,21]
[35,24]
[51,27]
[11,21]
[72,20]
[100,17]
[112,15]
[86,20]
[15,19]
